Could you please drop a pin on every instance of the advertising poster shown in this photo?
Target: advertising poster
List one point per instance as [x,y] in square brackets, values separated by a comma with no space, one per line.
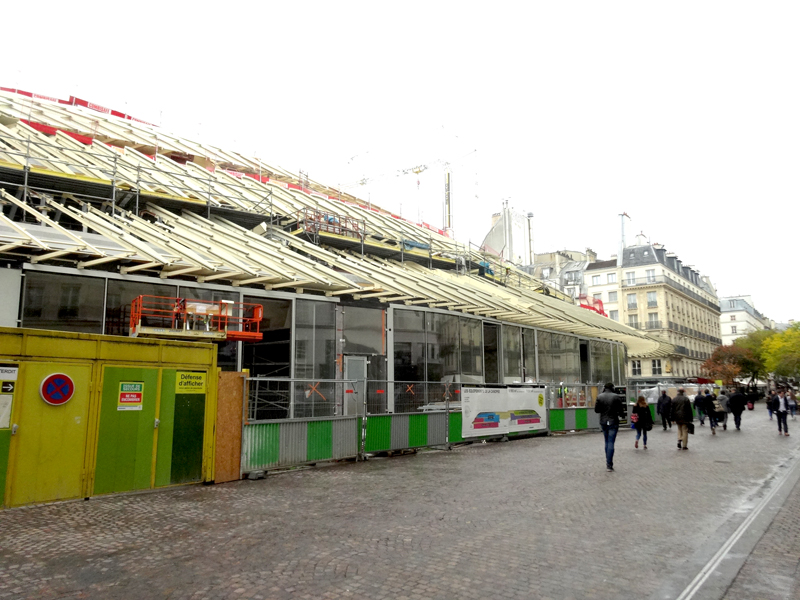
[498,411]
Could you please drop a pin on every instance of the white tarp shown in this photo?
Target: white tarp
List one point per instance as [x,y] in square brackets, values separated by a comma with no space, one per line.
[492,411]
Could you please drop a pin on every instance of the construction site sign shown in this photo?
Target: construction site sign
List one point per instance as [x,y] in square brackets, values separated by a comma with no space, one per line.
[190,382]
[131,395]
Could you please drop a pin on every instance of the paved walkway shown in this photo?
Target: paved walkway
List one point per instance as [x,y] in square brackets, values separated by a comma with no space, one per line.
[536,518]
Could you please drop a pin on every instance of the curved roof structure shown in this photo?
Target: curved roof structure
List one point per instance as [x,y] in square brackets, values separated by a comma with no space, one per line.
[111,189]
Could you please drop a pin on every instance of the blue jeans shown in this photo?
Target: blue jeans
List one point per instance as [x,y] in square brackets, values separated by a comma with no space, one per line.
[641,433]
[610,435]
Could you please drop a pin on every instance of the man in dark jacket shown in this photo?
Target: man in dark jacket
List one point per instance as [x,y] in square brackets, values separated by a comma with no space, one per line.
[737,402]
[664,408]
[699,403]
[710,410]
[609,407]
[682,415]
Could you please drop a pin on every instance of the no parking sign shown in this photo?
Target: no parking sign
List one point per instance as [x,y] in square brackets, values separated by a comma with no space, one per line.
[57,389]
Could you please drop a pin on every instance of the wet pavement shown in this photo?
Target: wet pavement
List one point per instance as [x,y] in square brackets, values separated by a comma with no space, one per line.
[534,518]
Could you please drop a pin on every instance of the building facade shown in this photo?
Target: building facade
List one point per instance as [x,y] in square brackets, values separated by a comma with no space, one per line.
[651,290]
[739,317]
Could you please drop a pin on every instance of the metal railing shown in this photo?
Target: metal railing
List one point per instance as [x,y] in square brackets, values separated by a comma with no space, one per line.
[634,282]
[653,325]
[274,398]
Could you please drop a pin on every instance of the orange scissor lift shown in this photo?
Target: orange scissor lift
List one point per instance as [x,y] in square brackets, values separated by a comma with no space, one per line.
[215,320]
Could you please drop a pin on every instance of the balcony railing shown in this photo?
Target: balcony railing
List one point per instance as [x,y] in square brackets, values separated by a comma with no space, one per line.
[652,304]
[636,281]
[653,325]
[634,325]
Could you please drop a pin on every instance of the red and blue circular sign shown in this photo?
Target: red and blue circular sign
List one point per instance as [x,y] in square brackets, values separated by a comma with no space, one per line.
[57,389]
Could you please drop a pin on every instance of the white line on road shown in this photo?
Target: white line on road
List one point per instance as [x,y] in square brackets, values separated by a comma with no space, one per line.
[712,564]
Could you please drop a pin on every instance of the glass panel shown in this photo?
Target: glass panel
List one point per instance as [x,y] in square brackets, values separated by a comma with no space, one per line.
[545,357]
[490,346]
[409,345]
[512,353]
[315,349]
[471,350]
[271,357]
[364,331]
[443,347]
[227,352]
[64,303]
[120,296]
[601,362]
[529,354]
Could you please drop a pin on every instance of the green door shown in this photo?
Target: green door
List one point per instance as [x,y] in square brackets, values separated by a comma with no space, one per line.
[127,428]
[180,435]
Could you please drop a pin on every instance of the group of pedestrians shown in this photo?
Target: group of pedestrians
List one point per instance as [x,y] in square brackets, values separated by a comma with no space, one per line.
[678,410]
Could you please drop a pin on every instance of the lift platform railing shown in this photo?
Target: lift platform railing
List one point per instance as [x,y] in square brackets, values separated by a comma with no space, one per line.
[188,318]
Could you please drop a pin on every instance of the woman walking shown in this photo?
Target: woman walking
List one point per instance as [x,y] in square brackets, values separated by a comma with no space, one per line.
[792,402]
[642,419]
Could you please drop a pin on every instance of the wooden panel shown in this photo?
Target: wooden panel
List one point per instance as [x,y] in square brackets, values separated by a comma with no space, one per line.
[228,450]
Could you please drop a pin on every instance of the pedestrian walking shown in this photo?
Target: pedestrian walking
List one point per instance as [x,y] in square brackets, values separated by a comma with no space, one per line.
[792,402]
[771,396]
[699,401]
[642,419]
[780,407]
[737,403]
[664,408]
[723,400]
[682,415]
[609,406]
[710,409]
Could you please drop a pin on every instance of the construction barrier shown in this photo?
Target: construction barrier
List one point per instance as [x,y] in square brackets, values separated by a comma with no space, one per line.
[82,415]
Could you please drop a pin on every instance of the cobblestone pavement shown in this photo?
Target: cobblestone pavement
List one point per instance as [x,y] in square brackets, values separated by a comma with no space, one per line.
[772,571]
[535,518]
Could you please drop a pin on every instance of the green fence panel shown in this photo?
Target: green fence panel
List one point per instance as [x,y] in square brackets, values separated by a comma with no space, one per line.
[379,433]
[320,440]
[581,419]
[125,442]
[261,446]
[556,419]
[455,428]
[417,431]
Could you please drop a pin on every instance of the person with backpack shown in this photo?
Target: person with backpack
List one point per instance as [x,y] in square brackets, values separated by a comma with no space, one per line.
[642,420]
[664,408]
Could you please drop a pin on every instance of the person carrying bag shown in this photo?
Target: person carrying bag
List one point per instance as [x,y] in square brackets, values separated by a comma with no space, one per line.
[642,419]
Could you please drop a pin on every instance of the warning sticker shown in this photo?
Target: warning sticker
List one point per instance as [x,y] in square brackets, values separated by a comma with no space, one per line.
[189,382]
[131,395]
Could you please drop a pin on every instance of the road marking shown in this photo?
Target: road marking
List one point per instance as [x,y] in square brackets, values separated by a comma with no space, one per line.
[715,561]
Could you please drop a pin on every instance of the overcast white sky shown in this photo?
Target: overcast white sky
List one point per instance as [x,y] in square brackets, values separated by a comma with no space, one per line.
[683,114]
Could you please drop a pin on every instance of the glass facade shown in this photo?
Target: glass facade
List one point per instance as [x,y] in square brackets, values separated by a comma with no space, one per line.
[601,362]
[512,354]
[471,350]
[443,347]
[227,352]
[409,345]
[315,355]
[63,302]
[271,357]
[122,293]
[364,331]
[529,354]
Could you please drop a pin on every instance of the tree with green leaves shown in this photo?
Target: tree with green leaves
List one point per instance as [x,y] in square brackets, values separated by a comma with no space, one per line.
[754,368]
[782,352]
